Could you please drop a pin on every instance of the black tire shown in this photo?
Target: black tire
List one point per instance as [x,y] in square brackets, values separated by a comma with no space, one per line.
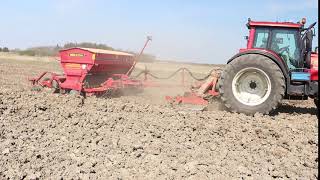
[259,62]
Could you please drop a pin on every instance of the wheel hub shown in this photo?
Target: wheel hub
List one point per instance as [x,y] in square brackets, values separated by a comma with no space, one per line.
[251,86]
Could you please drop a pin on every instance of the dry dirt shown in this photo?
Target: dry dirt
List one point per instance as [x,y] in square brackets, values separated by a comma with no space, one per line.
[45,135]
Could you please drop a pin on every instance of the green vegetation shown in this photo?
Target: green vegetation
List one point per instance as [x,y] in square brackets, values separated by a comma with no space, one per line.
[88,45]
[40,51]
[4,49]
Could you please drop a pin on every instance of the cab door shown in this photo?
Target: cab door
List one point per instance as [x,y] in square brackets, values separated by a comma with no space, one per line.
[285,42]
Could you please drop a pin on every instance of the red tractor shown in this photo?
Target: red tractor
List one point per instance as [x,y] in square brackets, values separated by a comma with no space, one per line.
[277,64]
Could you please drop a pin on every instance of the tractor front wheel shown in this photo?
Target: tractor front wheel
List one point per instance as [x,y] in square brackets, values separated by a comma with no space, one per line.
[252,83]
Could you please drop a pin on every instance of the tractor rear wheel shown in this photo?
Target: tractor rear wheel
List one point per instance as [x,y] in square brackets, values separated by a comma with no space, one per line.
[252,83]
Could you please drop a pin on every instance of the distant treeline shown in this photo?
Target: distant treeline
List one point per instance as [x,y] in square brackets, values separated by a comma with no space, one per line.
[54,50]
[4,49]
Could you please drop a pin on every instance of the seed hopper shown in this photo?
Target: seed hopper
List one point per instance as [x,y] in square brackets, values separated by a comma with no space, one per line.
[89,71]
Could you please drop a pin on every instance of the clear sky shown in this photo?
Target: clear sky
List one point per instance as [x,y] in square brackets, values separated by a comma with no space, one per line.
[205,31]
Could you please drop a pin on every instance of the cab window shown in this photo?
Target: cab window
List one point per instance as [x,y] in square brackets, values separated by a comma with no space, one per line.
[261,38]
[284,43]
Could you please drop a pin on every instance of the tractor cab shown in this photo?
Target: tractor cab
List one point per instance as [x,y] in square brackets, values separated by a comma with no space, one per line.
[286,40]
[290,43]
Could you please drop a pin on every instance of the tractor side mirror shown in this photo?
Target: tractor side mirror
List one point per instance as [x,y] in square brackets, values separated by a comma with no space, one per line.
[246,38]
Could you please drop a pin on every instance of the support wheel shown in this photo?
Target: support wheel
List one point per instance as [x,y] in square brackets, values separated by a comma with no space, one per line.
[74,92]
[252,83]
[55,86]
[77,93]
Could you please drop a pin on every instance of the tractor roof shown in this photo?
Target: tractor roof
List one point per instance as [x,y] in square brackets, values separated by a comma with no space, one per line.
[274,24]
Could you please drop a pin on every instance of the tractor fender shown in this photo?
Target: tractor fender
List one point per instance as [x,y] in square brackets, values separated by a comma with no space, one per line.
[275,58]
